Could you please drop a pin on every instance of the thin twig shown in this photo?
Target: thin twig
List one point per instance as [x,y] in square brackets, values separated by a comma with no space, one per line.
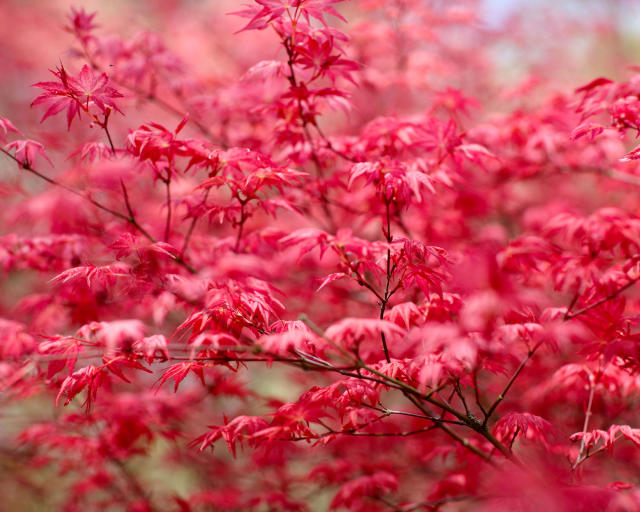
[167,225]
[288,44]
[507,387]
[243,218]
[105,127]
[609,297]
[476,393]
[414,395]
[127,218]
[192,226]
[587,417]
[388,276]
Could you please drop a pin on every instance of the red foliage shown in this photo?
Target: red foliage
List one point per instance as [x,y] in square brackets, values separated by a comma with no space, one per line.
[428,303]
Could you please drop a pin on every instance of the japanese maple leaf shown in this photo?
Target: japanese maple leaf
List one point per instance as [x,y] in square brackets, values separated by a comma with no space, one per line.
[77,94]
[7,126]
[81,22]
[526,424]
[317,9]
[239,428]
[92,88]
[318,54]
[89,377]
[608,437]
[355,491]
[26,151]
[179,371]
[273,9]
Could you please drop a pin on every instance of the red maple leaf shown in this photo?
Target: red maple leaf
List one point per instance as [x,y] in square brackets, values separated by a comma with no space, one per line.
[77,94]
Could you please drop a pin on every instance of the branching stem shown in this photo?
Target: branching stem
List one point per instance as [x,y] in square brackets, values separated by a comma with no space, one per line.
[510,382]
